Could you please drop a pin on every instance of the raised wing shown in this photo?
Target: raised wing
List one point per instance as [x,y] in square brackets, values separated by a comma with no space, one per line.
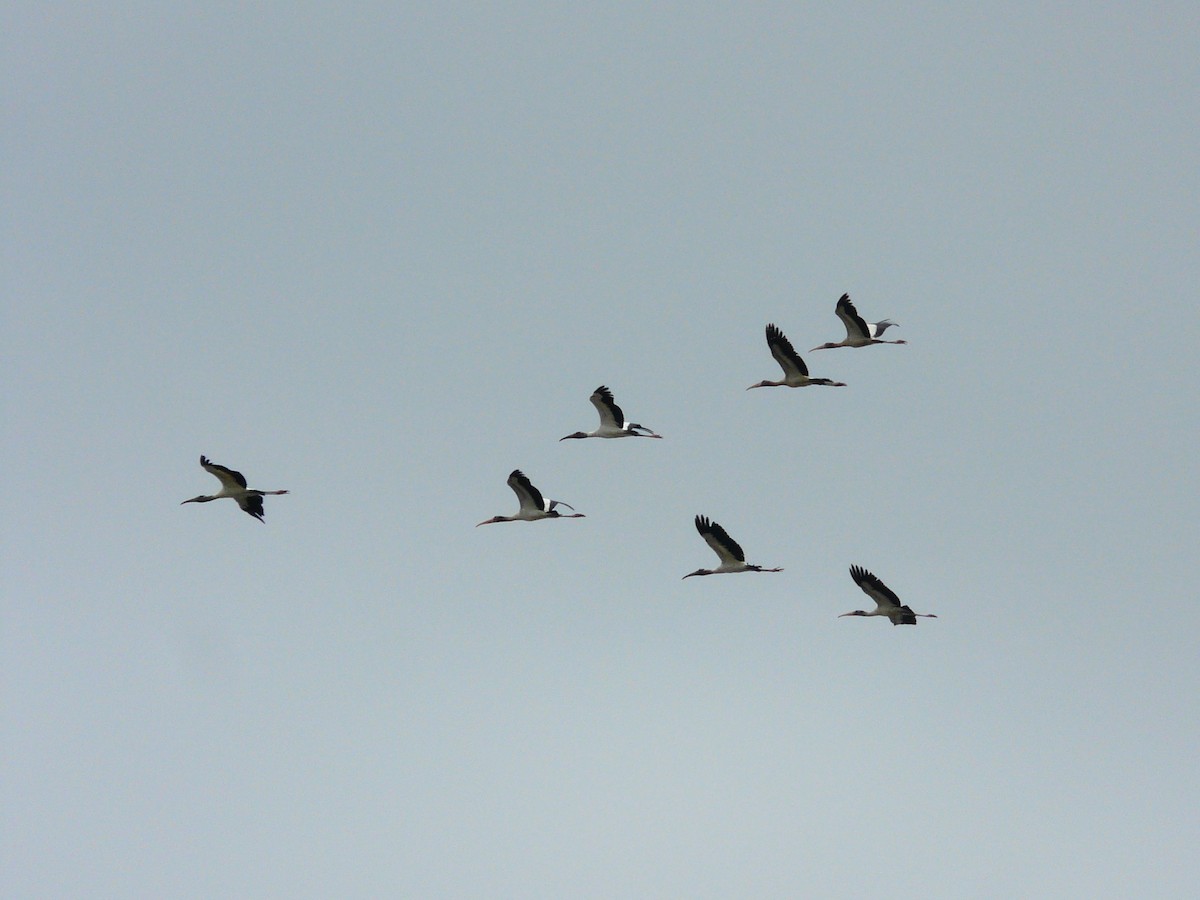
[785,354]
[610,413]
[877,591]
[856,325]
[878,328]
[227,477]
[727,549]
[529,496]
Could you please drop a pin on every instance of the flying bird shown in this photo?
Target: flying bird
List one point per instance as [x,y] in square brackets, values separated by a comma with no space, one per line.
[859,332]
[795,372]
[886,602]
[727,549]
[233,485]
[533,505]
[612,421]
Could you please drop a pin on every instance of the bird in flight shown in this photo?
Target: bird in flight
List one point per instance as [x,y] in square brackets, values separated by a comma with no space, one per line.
[727,549]
[886,602]
[795,372]
[233,485]
[533,505]
[612,421]
[859,332]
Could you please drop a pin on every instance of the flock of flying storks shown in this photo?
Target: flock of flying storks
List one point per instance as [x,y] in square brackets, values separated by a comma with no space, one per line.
[613,424]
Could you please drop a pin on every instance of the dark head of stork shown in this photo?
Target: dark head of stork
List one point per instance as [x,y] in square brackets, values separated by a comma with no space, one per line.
[203,498]
[578,434]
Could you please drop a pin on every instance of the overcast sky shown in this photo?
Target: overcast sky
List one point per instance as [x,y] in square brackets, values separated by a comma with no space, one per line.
[381,255]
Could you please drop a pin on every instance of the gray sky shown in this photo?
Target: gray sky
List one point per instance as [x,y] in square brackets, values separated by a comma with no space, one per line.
[381,257]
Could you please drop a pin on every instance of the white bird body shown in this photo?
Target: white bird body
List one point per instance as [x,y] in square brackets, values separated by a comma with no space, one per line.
[613,423]
[533,505]
[887,604]
[233,486]
[795,372]
[859,332]
[728,551]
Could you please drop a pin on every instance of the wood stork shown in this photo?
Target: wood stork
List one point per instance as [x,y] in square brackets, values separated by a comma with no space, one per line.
[795,372]
[727,550]
[859,332]
[886,602]
[233,485]
[533,505]
[612,421]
